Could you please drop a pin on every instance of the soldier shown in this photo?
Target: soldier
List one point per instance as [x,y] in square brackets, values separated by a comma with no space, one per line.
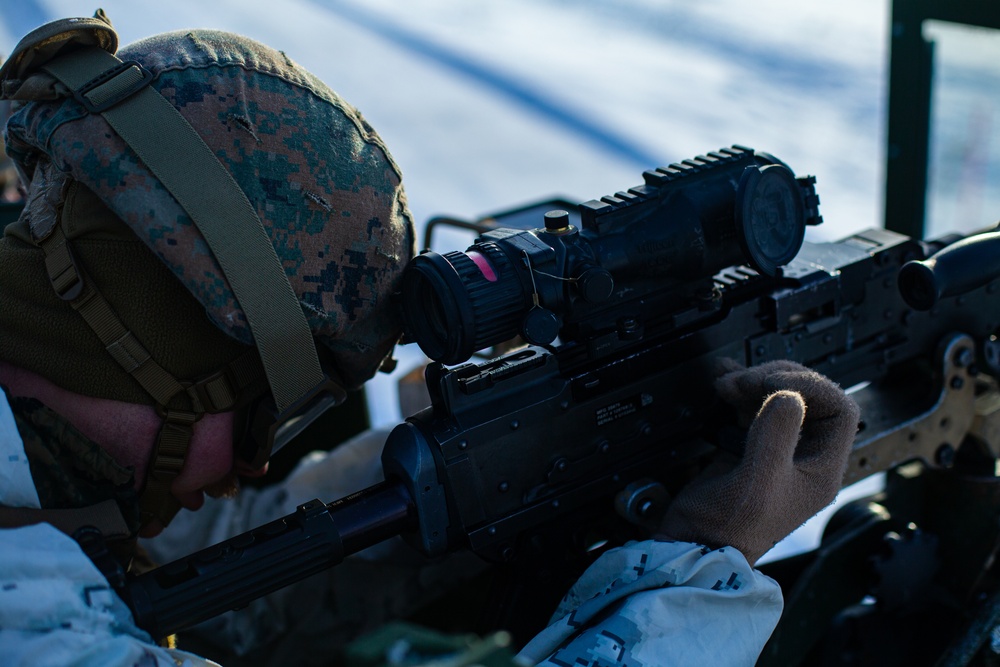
[146,354]
[209,242]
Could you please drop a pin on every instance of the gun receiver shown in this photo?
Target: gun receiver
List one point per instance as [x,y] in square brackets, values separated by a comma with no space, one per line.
[519,440]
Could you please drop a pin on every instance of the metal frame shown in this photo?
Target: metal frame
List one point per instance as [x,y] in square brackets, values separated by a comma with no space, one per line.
[910,85]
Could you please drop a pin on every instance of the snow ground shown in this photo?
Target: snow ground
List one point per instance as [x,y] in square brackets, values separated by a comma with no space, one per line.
[487,105]
[670,79]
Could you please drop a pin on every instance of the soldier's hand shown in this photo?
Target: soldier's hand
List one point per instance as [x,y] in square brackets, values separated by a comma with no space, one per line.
[801,429]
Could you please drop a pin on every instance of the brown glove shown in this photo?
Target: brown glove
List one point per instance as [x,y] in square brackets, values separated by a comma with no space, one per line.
[801,429]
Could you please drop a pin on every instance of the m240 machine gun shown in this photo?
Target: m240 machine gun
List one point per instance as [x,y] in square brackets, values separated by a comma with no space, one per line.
[579,437]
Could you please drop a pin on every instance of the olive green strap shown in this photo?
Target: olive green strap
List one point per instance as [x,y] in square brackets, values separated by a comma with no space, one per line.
[180,159]
[165,464]
[174,438]
[121,344]
[217,393]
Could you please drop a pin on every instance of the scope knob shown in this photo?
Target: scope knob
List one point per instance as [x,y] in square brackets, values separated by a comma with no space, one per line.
[556,221]
[595,285]
[540,326]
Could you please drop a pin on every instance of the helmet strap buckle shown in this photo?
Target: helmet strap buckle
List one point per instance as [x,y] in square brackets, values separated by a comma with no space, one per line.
[166,462]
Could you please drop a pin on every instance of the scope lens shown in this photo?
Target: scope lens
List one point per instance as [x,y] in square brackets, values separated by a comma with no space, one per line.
[437,317]
[431,314]
[460,302]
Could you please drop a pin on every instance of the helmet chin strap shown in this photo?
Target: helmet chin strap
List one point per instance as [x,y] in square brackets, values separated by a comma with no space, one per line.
[180,404]
[157,502]
[174,438]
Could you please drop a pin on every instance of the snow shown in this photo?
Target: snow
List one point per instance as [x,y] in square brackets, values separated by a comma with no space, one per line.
[802,81]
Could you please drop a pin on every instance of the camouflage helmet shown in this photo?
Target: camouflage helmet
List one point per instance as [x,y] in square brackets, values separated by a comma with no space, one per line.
[318,176]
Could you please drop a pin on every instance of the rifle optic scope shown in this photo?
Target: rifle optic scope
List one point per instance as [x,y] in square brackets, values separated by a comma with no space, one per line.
[637,251]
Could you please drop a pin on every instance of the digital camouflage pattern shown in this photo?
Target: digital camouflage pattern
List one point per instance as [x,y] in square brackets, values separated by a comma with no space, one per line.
[321,180]
[661,603]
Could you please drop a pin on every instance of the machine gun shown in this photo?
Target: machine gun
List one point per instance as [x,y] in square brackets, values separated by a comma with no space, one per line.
[627,303]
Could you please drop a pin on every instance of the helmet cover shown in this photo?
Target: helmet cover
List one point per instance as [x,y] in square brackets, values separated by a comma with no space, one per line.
[321,180]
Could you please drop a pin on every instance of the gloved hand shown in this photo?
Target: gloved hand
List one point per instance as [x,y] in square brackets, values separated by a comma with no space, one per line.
[801,429]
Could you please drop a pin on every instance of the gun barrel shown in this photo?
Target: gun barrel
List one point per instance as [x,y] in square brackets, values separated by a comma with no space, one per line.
[231,574]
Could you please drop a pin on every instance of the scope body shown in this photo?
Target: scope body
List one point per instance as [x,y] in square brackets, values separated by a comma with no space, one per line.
[641,254]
